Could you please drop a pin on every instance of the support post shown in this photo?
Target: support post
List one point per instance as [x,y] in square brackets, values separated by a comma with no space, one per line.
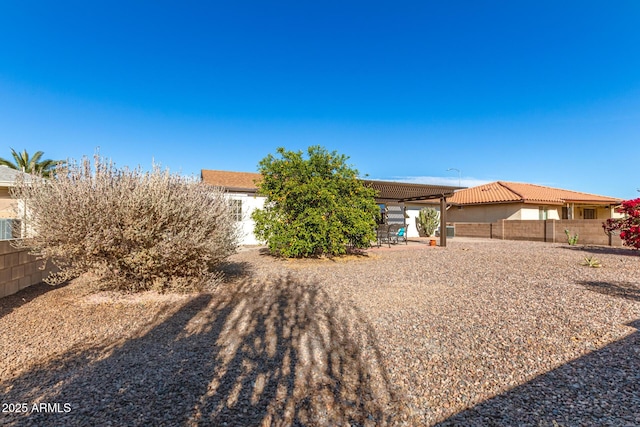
[443,221]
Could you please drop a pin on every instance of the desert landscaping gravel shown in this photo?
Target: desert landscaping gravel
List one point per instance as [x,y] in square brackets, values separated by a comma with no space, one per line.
[482,332]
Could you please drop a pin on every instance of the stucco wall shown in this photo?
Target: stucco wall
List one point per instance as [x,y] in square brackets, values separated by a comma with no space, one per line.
[519,211]
[246,226]
[485,213]
[250,203]
[7,204]
[601,212]
[413,210]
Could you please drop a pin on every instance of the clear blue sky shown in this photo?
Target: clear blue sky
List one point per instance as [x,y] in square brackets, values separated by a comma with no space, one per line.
[543,92]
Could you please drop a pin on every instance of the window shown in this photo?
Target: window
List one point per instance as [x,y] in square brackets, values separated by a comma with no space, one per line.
[236,209]
[542,213]
[589,214]
[10,228]
[565,213]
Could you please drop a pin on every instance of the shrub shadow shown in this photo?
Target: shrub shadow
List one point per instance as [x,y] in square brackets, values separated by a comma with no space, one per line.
[232,271]
[625,290]
[600,388]
[350,253]
[607,250]
[25,296]
[269,353]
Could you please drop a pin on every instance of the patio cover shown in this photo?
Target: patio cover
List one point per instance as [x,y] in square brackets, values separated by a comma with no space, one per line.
[405,192]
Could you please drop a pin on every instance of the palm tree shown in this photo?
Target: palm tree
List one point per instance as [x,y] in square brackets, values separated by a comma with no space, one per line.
[24,163]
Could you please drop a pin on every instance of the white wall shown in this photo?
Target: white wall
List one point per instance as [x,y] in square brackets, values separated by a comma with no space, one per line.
[249,204]
[413,211]
[529,213]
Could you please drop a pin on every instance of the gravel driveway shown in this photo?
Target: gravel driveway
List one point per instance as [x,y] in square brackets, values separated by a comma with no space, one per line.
[482,332]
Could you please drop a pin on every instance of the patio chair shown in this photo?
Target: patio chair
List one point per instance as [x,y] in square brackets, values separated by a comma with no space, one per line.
[382,234]
[398,232]
[402,234]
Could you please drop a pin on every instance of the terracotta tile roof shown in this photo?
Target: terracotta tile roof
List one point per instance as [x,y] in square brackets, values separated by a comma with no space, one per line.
[231,180]
[505,192]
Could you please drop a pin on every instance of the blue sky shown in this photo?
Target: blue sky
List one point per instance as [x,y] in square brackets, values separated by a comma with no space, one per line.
[541,92]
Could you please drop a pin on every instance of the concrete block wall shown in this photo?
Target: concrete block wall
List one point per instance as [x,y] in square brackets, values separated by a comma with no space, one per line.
[465,229]
[589,231]
[523,230]
[18,269]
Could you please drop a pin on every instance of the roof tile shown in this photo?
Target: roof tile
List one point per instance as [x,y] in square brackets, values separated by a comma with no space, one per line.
[504,192]
[231,180]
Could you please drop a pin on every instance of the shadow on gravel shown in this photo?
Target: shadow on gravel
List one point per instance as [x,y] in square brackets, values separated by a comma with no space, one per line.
[250,354]
[26,295]
[608,250]
[233,271]
[601,388]
[625,290]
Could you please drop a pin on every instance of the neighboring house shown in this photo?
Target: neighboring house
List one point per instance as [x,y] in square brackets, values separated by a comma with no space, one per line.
[400,201]
[7,181]
[491,202]
[8,205]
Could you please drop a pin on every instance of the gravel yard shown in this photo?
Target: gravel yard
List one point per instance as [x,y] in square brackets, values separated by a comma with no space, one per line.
[482,332]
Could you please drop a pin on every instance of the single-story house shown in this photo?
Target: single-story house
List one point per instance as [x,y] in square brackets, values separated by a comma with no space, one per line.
[400,201]
[7,181]
[519,201]
[8,205]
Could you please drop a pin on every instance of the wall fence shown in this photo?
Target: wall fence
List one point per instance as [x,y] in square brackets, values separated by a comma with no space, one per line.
[18,269]
[590,231]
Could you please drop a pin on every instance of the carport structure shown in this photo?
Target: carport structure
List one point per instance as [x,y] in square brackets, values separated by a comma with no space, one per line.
[402,192]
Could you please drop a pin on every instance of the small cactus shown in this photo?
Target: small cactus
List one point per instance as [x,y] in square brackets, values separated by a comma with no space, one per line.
[592,262]
[572,240]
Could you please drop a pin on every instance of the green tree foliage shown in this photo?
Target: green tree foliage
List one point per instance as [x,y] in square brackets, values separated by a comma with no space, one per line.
[315,206]
[33,165]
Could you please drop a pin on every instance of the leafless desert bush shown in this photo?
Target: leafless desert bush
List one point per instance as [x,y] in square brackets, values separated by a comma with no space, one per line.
[135,230]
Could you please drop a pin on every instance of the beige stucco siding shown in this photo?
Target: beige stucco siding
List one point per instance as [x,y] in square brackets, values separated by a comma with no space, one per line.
[601,212]
[532,212]
[484,213]
[7,204]
[520,211]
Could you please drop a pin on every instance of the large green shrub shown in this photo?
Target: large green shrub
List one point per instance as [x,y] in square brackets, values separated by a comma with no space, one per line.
[133,230]
[315,206]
